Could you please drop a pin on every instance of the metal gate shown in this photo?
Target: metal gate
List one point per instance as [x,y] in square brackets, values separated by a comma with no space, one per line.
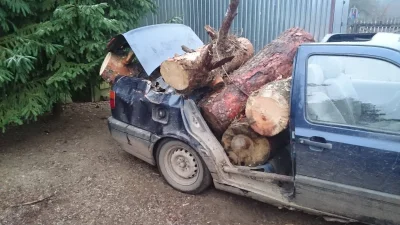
[372,26]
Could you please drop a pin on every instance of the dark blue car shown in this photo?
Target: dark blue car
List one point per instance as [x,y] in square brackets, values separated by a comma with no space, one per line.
[343,162]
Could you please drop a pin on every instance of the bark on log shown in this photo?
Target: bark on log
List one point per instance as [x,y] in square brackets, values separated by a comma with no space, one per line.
[217,82]
[114,65]
[198,69]
[188,71]
[243,53]
[268,108]
[245,147]
[223,34]
[274,62]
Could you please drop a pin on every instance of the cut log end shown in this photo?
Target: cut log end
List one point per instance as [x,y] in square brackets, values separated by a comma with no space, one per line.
[114,65]
[175,75]
[268,116]
[268,109]
[243,146]
[240,142]
[225,53]
[105,63]
[198,69]
[273,62]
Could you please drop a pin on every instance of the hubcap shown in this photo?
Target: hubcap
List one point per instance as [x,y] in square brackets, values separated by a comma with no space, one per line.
[183,163]
[182,166]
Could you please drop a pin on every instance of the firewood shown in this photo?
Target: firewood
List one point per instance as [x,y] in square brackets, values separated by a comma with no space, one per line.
[246,51]
[207,65]
[272,63]
[128,59]
[268,108]
[222,41]
[198,69]
[114,65]
[245,147]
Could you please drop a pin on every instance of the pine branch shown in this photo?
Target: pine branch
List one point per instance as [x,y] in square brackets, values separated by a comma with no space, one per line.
[52,48]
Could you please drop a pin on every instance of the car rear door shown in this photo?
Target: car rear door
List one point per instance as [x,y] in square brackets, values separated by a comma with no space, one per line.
[345,112]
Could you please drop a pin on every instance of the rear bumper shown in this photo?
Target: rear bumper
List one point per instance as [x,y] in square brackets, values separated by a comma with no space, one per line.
[133,140]
[114,124]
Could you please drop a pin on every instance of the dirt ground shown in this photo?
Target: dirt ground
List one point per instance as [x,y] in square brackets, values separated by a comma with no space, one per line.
[68,170]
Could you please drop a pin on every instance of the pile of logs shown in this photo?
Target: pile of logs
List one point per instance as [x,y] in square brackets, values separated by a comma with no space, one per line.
[114,65]
[248,108]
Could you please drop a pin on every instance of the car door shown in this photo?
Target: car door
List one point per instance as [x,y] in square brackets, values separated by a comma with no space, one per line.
[345,112]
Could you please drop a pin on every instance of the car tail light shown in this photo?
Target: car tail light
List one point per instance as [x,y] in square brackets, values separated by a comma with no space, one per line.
[112,99]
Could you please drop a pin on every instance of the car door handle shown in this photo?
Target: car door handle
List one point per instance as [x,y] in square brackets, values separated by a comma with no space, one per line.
[317,146]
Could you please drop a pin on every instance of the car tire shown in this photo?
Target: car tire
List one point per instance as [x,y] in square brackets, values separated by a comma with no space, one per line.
[182,167]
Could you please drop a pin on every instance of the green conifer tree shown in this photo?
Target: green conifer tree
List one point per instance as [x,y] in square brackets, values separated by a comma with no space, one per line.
[49,48]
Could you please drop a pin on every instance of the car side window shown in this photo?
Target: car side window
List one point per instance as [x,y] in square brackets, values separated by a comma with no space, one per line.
[355,91]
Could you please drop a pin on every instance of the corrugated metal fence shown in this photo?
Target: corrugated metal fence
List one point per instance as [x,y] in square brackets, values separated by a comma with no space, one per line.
[258,20]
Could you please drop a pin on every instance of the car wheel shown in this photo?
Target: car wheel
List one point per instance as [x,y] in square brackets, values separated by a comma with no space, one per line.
[182,167]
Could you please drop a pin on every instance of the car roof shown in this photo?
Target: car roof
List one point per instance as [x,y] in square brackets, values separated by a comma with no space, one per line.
[385,40]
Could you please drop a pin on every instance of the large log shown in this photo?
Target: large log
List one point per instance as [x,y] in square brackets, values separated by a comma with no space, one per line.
[185,72]
[274,62]
[245,147]
[242,54]
[114,65]
[268,108]
[201,68]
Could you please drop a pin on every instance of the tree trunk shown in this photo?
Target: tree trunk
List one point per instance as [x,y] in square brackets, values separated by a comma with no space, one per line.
[274,62]
[244,52]
[204,67]
[243,146]
[220,108]
[268,108]
[187,71]
[114,65]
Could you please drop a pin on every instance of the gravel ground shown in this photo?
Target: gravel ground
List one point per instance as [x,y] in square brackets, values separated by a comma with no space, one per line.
[68,170]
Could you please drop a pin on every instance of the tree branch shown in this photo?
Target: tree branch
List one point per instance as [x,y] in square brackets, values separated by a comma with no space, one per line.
[206,57]
[221,62]
[211,32]
[35,202]
[227,22]
[187,49]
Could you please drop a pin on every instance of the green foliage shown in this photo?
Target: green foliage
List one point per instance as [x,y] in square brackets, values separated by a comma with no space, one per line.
[49,48]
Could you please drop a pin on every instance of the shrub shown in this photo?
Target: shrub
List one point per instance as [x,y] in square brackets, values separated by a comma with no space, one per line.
[49,48]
